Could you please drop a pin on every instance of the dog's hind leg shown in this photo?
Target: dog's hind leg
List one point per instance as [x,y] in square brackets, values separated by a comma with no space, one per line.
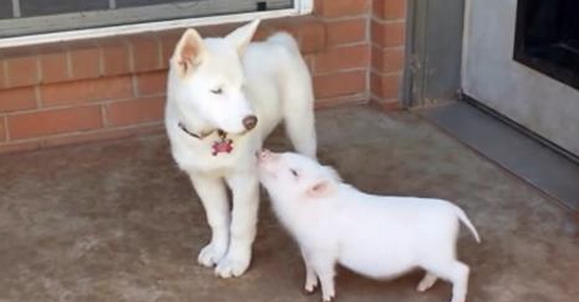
[296,94]
[301,131]
[298,113]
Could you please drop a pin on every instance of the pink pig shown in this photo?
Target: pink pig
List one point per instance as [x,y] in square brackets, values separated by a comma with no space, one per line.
[377,236]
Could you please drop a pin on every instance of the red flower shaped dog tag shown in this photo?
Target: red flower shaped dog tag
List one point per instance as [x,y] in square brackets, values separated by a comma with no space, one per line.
[223,145]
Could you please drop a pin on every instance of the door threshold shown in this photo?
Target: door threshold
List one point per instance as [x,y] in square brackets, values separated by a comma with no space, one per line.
[531,158]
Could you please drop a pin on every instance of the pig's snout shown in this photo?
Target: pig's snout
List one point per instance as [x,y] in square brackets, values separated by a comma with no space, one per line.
[263,154]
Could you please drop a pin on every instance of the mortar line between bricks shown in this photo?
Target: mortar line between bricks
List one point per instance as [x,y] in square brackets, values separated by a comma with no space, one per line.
[312,68]
[81,132]
[4,78]
[386,74]
[48,109]
[368,31]
[104,116]
[338,46]
[6,130]
[343,18]
[56,108]
[100,77]
[131,56]
[38,97]
[134,85]
[83,104]
[386,22]
[149,96]
[68,63]
[101,59]
[339,71]
[369,78]
[382,48]
[159,51]
[339,97]
[39,79]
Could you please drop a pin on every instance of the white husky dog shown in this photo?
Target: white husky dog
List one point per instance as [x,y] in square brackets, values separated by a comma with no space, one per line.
[377,236]
[225,95]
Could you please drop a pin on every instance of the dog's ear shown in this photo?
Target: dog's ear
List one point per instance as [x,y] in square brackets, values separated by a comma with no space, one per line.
[241,37]
[189,51]
[321,188]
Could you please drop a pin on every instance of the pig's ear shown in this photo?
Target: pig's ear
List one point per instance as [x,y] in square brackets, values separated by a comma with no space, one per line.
[321,188]
[189,52]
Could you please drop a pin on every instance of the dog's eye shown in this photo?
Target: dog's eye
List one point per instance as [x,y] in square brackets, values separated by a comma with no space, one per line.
[217,90]
[294,172]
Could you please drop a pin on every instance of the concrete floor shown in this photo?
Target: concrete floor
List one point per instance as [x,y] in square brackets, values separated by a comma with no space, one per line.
[117,221]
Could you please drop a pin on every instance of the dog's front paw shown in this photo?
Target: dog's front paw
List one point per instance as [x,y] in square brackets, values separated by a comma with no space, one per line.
[211,254]
[231,266]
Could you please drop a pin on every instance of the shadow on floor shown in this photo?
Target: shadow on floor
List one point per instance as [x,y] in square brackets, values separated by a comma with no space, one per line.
[117,221]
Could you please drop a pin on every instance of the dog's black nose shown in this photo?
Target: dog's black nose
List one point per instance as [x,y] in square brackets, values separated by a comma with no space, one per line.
[249,122]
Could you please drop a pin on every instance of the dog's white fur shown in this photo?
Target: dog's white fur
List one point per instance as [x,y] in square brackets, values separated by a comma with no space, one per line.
[377,236]
[214,83]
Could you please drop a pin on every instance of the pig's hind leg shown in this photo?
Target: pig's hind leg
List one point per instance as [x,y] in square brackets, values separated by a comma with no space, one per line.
[457,273]
[427,282]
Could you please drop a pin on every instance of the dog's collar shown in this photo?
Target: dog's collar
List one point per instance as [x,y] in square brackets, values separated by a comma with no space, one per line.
[221,145]
[200,136]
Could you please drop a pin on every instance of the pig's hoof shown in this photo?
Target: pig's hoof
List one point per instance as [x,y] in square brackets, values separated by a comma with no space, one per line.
[231,267]
[310,288]
[327,297]
[422,288]
[210,255]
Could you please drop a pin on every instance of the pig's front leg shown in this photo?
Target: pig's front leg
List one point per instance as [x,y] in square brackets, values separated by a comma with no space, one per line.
[323,263]
[311,278]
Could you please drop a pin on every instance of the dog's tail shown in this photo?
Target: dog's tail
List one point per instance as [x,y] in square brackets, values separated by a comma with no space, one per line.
[286,40]
[462,216]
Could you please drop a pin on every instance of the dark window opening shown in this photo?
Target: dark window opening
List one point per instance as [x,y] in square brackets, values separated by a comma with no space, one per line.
[26,17]
[547,38]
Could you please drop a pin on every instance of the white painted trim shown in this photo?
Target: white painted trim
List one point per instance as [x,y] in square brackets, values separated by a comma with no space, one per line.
[465,42]
[16,8]
[301,7]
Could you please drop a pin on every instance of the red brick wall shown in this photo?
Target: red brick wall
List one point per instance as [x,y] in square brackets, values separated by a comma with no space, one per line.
[387,39]
[112,87]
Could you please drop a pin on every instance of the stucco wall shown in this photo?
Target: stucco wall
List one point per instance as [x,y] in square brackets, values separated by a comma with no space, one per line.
[491,76]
